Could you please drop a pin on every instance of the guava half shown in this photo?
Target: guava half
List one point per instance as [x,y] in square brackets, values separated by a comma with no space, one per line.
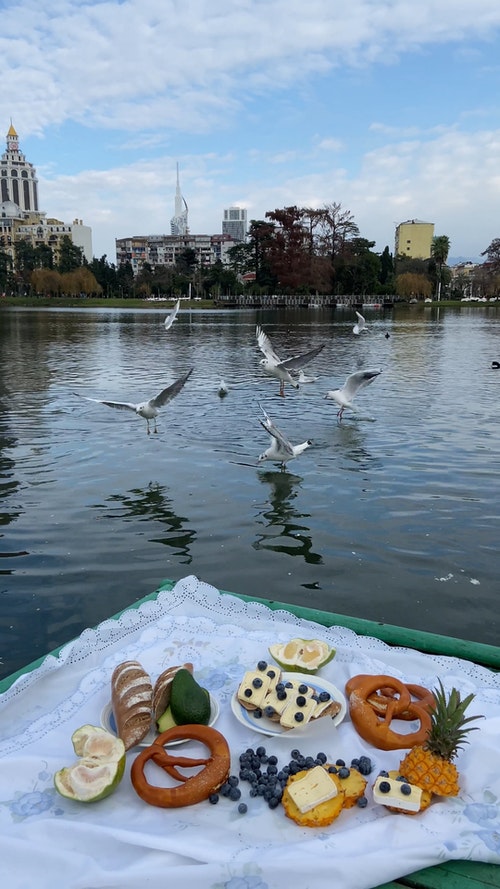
[98,771]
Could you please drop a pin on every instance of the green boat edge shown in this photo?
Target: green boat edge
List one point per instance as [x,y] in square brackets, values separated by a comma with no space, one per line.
[450,874]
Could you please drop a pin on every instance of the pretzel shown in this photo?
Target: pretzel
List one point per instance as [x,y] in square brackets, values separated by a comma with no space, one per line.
[192,789]
[374,701]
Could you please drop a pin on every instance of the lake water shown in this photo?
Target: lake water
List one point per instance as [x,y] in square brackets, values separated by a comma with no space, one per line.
[392,515]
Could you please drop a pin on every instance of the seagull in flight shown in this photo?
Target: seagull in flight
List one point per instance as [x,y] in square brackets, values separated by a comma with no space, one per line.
[360,324]
[280,450]
[354,382]
[305,378]
[273,366]
[149,410]
[169,320]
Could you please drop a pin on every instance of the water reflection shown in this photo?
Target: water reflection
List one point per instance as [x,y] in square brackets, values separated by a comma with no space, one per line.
[153,503]
[285,533]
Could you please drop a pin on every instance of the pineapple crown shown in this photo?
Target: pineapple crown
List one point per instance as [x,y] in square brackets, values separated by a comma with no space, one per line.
[449,725]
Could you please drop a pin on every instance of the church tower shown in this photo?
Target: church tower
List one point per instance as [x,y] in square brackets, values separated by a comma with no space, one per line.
[18,182]
[179,222]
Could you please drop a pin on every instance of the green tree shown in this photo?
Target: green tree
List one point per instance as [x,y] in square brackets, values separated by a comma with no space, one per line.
[70,256]
[412,285]
[440,249]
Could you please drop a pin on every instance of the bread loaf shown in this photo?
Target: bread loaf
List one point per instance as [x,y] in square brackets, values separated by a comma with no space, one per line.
[132,701]
[162,686]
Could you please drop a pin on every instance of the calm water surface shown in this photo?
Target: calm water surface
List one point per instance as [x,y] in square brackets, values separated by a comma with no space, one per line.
[392,515]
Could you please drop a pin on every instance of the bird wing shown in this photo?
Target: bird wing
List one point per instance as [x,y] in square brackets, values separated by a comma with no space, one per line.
[264,344]
[359,379]
[169,320]
[170,392]
[300,360]
[361,320]
[119,405]
[276,433]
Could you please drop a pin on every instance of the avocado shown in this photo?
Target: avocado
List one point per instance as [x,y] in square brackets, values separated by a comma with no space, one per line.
[165,721]
[189,702]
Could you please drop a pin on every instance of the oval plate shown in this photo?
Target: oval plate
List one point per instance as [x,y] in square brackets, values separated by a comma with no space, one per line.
[108,723]
[267,727]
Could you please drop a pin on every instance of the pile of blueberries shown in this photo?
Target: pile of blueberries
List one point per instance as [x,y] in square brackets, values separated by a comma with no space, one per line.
[267,780]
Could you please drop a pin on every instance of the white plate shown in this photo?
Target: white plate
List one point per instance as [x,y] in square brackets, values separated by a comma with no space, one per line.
[267,727]
[108,723]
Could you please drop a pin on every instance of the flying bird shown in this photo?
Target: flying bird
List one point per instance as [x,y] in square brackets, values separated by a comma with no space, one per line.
[149,410]
[273,366]
[354,382]
[360,324]
[169,320]
[280,450]
[305,378]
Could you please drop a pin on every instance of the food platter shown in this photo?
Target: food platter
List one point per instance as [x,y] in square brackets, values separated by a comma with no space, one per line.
[267,727]
[108,723]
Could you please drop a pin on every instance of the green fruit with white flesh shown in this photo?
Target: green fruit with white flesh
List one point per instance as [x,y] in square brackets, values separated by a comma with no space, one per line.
[189,701]
[99,769]
[166,721]
[302,655]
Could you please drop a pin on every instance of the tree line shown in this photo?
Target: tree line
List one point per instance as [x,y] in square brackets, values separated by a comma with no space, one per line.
[294,250]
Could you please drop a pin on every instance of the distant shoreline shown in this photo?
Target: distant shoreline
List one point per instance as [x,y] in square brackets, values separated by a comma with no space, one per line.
[164,304]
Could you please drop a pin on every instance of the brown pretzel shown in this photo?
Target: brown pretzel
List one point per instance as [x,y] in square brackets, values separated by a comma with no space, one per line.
[374,701]
[194,788]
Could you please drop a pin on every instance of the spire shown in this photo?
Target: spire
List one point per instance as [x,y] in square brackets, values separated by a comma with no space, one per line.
[179,222]
[12,131]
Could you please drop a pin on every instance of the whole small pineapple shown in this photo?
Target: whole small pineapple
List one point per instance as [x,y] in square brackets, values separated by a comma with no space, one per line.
[430,765]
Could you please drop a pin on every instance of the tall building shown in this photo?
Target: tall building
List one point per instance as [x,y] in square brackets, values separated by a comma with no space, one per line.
[20,218]
[414,239]
[18,182]
[179,221]
[235,223]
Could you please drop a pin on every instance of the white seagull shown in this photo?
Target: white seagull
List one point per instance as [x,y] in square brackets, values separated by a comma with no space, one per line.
[273,366]
[360,324]
[149,410]
[355,381]
[169,320]
[223,389]
[303,378]
[280,450]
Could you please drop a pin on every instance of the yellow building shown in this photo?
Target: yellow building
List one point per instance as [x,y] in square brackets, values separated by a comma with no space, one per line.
[414,239]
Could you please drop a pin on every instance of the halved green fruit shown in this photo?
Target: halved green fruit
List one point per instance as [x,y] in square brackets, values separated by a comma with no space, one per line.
[189,701]
[98,771]
[165,721]
[302,655]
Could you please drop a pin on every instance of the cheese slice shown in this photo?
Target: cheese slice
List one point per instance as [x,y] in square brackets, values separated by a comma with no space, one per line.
[394,797]
[314,788]
[254,688]
[288,717]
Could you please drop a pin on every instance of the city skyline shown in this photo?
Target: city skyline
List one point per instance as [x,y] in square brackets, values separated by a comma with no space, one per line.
[389,110]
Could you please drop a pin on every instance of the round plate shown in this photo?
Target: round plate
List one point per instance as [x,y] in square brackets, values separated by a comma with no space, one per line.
[108,723]
[267,727]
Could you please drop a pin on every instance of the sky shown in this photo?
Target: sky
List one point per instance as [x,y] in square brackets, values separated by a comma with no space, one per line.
[390,108]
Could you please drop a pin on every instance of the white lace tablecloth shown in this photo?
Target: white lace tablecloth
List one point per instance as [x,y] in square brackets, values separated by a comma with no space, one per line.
[122,843]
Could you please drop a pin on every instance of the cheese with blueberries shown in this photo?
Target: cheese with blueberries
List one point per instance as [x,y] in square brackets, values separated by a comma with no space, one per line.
[398,794]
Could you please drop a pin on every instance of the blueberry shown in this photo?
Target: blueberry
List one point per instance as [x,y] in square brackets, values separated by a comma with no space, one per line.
[362,802]
[295,754]
[233,780]
[262,665]
[234,793]
[248,692]
[281,694]
[273,760]
[324,696]
[301,701]
[271,674]
[269,711]
[321,758]
[383,773]
[365,765]
[242,808]
[299,717]
[339,762]
[257,683]
[302,689]
[333,770]
[257,714]
[213,798]
[260,751]
[344,772]
[406,789]
[384,787]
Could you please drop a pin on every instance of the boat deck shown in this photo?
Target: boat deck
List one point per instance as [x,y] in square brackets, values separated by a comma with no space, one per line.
[450,874]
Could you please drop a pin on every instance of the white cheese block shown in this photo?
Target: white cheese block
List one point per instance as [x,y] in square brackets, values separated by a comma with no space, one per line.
[314,788]
[248,693]
[288,717]
[394,797]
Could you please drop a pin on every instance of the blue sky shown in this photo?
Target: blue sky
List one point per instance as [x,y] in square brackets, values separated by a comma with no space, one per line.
[389,107]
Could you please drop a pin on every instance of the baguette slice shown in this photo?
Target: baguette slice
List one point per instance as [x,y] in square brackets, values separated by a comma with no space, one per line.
[132,702]
[162,688]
